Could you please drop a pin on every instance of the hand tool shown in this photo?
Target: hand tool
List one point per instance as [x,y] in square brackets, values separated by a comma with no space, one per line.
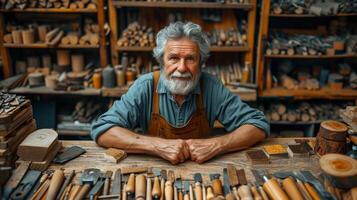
[108,176]
[255,193]
[65,184]
[45,176]
[178,187]
[66,192]
[272,187]
[26,185]
[140,187]
[259,183]
[124,194]
[191,192]
[299,184]
[308,178]
[69,154]
[226,187]
[16,177]
[210,194]
[261,191]
[163,175]
[88,179]
[216,185]
[41,190]
[55,186]
[198,186]
[156,188]
[233,179]
[245,193]
[97,187]
[116,185]
[186,189]
[130,185]
[73,192]
[204,194]
[242,179]
[149,188]
[291,189]
[303,190]
[169,191]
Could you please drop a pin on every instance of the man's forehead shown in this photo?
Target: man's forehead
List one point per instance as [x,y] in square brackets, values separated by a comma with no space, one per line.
[181,45]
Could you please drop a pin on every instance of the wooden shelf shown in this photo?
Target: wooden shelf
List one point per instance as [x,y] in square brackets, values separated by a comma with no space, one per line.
[212,49]
[294,123]
[313,16]
[324,93]
[244,6]
[47,91]
[114,92]
[45,46]
[351,55]
[50,10]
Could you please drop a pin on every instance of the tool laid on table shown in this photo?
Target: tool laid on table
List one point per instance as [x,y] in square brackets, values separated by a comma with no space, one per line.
[65,184]
[55,186]
[244,190]
[186,190]
[198,186]
[216,185]
[140,187]
[88,179]
[226,186]
[169,190]
[16,178]
[156,188]
[179,188]
[233,179]
[68,154]
[163,179]
[25,187]
[97,187]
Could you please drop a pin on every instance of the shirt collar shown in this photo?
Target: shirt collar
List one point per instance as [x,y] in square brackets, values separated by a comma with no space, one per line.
[161,88]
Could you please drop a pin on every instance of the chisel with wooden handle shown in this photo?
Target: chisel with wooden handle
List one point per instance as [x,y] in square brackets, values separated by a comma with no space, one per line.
[204,193]
[226,187]
[163,179]
[88,178]
[216,185]
[140,187]
[156,188]
[66,183]
[169,190]
[210,194]
[312,191]
[303,190]
[198,186]
[148,188]
[186,189]
[291,189]
[262,192]
[124,193]
[273,189]
[130,185]
[55,186]
[255,193]
[108,176]
[245,192]
[233,180]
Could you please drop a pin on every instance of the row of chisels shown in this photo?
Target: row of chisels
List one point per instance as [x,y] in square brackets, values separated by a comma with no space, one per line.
[141,183]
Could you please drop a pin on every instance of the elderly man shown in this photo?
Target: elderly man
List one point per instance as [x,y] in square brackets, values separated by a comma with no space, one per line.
[176,107]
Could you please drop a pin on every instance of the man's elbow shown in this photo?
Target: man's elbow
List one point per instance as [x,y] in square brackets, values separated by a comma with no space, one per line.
[104,140]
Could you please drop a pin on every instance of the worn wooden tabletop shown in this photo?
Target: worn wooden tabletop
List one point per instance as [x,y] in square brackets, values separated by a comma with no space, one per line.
[94,158]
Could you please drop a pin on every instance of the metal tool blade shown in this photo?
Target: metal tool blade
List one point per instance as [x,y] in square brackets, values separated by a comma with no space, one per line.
[226,186]
[197,177]
[186,187]
[214,176]
[232,175]
[309,178]
[163,174]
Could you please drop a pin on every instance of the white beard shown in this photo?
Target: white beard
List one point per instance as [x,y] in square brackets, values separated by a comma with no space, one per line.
[178,86]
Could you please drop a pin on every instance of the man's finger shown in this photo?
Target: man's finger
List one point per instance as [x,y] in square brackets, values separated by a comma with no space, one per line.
[181,157]
[186,151]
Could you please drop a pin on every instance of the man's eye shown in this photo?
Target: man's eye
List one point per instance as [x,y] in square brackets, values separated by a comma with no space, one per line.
[173,58]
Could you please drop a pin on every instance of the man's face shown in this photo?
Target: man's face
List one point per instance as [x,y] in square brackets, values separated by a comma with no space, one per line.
[181,66]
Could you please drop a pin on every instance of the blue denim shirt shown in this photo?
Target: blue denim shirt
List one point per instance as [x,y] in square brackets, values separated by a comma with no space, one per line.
[134,108]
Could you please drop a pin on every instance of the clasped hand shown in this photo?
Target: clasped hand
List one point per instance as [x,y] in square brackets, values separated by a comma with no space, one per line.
[178,150]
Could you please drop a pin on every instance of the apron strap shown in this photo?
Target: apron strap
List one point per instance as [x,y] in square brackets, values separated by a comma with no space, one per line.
[155,95]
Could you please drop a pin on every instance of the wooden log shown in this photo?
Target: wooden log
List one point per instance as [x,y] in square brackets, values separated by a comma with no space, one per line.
[8,38]
[77,63]
[65,40]
[274,116]
[73,6]
[292,117]
[16,36]
[331,138]
[73,38]
[63,58]
[92,6]
[28,36]
[57,39]
[42,31]
[84,39]
[50,35]
[289,82]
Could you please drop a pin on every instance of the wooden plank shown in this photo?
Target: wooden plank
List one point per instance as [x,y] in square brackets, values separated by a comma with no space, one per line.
[102,39]
[49,91]
[113,22]
[45,46]
[324,93]
[312,16]
[350,55]
[212,49]
[5,118]
[248,57]
[20,135]
[49,10]
[214,5]
[94,157]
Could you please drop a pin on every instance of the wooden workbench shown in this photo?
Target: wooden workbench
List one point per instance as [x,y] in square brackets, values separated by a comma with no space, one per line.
[94,158]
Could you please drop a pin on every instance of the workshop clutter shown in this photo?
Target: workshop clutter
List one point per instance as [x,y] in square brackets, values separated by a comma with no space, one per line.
[317,7]
[72,4]
[155,183]
[137,35]
[16,122]
[303,111]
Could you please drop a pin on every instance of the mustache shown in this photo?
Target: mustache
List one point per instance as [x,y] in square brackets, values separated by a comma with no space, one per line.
[177,74]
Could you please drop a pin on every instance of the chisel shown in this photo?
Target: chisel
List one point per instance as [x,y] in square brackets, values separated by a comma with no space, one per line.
[255,193]
[140,187]
[65,184]
[291,189]
[216,185]
[233,180]
[169,190]
[186,189]
[198,186]
[55,186]
[226,187]
[272,187]
[163,179]
[156,188]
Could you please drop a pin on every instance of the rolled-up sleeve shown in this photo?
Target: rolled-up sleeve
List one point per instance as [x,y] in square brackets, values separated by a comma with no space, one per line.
[126,112]
[232,112]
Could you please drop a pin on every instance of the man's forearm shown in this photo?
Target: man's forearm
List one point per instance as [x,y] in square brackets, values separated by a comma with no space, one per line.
[241,138]
[118,137]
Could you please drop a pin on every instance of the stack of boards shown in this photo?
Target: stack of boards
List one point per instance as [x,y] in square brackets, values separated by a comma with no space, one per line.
[16,123]
[40,147]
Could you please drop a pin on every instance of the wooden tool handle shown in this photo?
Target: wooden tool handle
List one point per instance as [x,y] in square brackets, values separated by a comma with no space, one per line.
[230,196]
[217,187]
[180,195]
[74,191]
[186,197]
[148,189]
[274,190]
[198,191]
[245,193]
[55,186]
[124,193]
[175,194]
[191,192]
[262,193]
[130,186]
[303,190]
[162,188]
[291,189]
[169,191]
[255,193]
[140,187]
[210,194]
[312,191]
[204,194]
[156,189]
[83,192]
[235,192]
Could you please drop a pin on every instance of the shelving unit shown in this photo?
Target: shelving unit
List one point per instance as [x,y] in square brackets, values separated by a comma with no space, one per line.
[116,7]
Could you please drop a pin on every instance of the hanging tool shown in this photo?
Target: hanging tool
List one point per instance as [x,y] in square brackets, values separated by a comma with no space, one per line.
[226,187]
[16,178]
[140,187]
[217,185]
[156,188]
[88,179]
[233,180]
[163,175]
[65,184]
[55,186]
[186,190]
[198,186]
[26,185]
[169,191]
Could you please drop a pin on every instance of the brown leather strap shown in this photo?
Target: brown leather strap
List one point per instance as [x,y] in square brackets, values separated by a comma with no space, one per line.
[155,95]
[199,100]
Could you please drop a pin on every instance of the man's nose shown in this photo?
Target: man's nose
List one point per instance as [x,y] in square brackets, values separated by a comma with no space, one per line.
[182,66]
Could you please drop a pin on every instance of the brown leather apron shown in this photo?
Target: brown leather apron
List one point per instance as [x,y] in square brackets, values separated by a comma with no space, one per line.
[197,127]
